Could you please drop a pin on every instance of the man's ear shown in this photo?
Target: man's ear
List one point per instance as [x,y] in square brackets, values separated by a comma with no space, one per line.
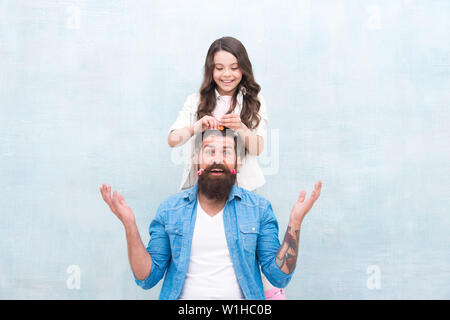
[238,163]
[196,162]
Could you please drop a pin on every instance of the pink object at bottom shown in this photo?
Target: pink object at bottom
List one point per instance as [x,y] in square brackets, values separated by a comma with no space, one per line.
[275,294]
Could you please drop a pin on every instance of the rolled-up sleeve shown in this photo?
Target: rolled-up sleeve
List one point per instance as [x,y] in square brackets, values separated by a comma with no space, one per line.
[267,248]
[159,250]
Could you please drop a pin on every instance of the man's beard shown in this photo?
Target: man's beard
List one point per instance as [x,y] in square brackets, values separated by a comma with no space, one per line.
[216,187]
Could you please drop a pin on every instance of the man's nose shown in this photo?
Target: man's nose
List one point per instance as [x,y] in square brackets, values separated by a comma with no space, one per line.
[218,159]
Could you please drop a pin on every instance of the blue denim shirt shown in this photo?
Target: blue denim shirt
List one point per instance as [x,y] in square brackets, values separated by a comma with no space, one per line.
[251,231]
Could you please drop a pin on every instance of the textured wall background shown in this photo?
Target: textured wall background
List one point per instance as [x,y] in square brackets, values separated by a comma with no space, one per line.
[358,95]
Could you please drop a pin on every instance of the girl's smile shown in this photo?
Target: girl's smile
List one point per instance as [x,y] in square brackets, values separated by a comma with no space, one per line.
[227,82]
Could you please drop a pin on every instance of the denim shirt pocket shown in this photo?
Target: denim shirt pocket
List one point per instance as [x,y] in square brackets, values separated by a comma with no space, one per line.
[175,233]
[249,233]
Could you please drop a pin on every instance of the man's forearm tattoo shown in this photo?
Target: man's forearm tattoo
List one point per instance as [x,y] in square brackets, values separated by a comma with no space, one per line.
[287,254]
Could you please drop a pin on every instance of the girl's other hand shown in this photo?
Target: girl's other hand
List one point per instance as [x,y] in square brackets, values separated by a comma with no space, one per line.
[206,123]
[232,121]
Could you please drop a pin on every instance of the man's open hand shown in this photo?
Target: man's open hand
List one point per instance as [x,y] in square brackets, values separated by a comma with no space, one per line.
[117,205]
[302,206]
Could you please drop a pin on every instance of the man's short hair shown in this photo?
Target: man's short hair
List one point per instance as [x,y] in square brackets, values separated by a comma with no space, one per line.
[239,145]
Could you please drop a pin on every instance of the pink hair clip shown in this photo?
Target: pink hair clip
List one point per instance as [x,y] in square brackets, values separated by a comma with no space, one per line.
[233,171]
[199,172]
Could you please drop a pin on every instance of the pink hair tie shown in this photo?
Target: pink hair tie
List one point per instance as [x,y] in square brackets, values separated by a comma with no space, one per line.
[233,171]
[199,172]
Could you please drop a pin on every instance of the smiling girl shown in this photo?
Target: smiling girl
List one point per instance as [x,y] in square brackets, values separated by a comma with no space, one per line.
[229,97]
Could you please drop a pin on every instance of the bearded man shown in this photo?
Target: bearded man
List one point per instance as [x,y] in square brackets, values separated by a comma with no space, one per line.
[215,238]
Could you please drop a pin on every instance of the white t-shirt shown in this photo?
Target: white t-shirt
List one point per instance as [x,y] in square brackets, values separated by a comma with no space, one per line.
[211,273]
[250,175]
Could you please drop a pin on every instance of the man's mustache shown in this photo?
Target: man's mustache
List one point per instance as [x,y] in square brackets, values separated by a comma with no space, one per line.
[217,166]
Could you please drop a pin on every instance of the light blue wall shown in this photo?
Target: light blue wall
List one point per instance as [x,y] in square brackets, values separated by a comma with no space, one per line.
[357,91]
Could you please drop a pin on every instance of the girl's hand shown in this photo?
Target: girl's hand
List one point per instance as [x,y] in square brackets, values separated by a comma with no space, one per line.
[232,121]
[205,123]
[117,205]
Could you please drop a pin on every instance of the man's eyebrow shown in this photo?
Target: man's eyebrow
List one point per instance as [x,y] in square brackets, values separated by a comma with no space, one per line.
[213,146]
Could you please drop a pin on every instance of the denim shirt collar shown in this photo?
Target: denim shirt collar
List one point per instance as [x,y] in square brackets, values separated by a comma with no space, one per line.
[192,193]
